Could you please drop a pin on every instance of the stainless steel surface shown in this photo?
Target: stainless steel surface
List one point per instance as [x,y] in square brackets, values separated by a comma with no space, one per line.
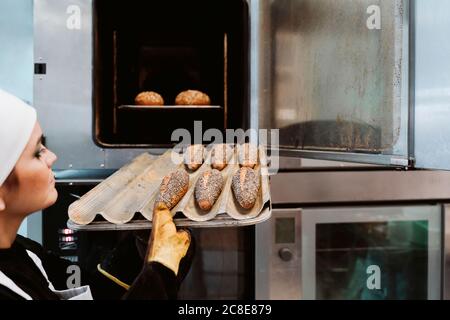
[63,176]
[432,84]
[304,164]
[259,54]
[117,158]
[359,186]
[319,61]
[307,164]
[446,254]
[412,76]
[78,181]
[221,221]
[275,277]
[386,160]
[263,259]
[63,96]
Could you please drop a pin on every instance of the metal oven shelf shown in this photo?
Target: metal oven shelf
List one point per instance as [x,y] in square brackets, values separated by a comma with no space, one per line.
[165,107]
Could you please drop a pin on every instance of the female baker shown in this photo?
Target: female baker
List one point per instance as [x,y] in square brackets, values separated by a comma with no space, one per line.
[27,185]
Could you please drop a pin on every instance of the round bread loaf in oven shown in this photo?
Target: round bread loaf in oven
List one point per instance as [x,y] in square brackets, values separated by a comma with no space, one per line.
[149,98]
[192,98]
[208,189]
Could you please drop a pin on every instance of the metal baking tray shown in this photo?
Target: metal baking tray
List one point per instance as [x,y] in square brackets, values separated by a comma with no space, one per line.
[220,221]
[127,197]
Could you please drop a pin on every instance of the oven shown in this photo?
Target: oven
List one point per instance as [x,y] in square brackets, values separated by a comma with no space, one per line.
[357,81]
[377,235]
[354,81]
[167,47]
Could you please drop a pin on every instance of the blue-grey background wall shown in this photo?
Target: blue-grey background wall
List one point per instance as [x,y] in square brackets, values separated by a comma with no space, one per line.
[16,69]
[16,43]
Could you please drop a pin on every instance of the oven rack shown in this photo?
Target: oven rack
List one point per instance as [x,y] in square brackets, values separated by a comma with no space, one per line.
[165,107]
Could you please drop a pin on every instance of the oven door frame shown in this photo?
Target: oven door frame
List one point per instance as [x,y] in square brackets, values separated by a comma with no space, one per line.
[423,107]
[263,87]
[446,253]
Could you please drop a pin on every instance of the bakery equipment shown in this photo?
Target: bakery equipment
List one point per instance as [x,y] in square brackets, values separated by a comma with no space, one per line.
[127,198]
[371,234]
[168,47]
[355,80]
[340,81]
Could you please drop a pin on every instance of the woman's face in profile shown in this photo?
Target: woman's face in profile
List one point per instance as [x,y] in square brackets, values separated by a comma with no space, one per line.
[32,185]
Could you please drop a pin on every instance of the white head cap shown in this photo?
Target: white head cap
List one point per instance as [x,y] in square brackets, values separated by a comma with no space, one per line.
[17,120]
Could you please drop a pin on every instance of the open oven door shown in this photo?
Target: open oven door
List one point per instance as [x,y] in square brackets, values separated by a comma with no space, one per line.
[357,81]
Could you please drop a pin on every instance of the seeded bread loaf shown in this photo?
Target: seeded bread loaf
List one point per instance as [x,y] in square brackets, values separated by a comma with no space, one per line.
[149,98]
[192,98]
[248,155]
[220,156]
[194,156]
[173,187]
[245,185]
[208,188]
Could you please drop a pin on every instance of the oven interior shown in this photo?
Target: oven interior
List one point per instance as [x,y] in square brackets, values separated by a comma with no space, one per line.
[168,47]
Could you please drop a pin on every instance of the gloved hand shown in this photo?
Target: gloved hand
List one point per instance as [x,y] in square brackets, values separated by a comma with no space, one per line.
[167,245]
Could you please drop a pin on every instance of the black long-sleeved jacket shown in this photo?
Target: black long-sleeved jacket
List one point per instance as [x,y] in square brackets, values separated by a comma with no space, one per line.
[154,281]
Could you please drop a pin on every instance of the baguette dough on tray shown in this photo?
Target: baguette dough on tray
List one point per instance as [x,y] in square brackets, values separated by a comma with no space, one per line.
[173,188]
[220,156]
[194,156]
[208,189]
[242,198]
[245,186]
[248,155]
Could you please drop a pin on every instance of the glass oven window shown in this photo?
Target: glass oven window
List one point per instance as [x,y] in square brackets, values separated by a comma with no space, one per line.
[372,261]
[372,253]
[331,93]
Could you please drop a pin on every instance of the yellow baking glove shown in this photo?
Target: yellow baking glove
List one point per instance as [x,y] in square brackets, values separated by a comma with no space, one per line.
[167,245]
